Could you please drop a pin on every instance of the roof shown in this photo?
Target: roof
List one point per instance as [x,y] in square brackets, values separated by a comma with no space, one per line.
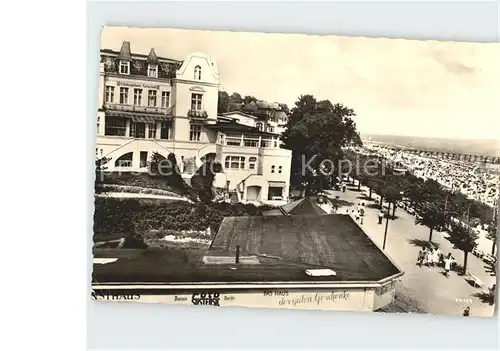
[303,206]
[260,104]
[238,113]
[127,54]
[329,241]
[178,265]
[284,247]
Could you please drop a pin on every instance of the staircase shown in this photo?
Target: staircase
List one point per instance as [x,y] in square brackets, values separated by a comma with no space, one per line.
[233,197]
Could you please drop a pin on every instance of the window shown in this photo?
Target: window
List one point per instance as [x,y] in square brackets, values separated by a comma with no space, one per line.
[98,123]
[280,168]
[123,95]
[138,130]
[196,100]
[153,71]
[137,97]
[265,142]
[166,127]
[115,126]
[152,130]
[233,139]
[197,73]
[260,126]
[272,168]
[124,160]
[124,67]
[110,93]
[195,132]
[235,162]
[151,98]
[271,129]
[165,99]
[251,162]
[251,141]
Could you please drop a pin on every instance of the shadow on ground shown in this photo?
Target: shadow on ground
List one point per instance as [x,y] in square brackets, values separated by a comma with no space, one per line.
[373,206]
[366,198]
[422,243]
[486,297]
[354,189]
[339,202]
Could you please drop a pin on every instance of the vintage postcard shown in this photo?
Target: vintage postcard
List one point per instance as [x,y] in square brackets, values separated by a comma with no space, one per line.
[296,171]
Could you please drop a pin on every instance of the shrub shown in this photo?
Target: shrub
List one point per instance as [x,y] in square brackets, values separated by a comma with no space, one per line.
[114,216]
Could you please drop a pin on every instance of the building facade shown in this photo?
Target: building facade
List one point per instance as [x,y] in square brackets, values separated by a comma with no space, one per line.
[150,104]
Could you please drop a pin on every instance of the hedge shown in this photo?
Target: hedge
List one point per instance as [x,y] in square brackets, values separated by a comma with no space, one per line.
[114,215]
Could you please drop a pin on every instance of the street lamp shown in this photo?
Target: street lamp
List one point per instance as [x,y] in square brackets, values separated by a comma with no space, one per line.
[387,220]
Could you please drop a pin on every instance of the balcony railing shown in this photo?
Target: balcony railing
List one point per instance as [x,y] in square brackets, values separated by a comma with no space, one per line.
[136,108]
[197,114]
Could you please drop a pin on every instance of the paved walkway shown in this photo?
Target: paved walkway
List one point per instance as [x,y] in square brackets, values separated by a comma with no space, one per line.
[423,289]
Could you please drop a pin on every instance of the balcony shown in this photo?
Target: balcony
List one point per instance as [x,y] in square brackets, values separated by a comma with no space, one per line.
[197,114]
[135,108]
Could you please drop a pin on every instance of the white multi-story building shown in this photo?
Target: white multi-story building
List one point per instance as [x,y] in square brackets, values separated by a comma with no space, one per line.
[153,104]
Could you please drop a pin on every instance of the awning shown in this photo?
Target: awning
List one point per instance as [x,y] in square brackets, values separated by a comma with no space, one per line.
[143,119]
[140,117]
[277,184]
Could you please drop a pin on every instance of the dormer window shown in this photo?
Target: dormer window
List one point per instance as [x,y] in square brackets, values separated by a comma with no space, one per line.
[260,126]
[153,71]
[197,73]
[124,67]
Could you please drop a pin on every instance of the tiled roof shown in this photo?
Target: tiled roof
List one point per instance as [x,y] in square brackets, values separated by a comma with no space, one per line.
[125,51]
[152,58]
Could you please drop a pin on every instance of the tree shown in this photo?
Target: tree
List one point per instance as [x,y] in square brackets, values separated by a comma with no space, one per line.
[248,98]
[492,233]
[464,239]
[202,180]
[430,215]
[392,194]
[235,97]
[316,133]
[100,168]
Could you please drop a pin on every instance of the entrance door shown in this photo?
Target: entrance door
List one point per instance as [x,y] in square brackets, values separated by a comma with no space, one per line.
[143,159]
[138,130]
[253,193]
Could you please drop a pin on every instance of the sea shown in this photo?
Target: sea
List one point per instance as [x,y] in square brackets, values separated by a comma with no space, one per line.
[481,147]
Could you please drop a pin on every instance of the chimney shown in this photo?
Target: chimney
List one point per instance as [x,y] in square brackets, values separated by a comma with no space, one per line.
[237,253]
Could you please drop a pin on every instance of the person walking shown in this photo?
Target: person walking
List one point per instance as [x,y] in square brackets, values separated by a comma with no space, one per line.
[466,312]
[428,257]
[380,217]
[448,261]
[420,257]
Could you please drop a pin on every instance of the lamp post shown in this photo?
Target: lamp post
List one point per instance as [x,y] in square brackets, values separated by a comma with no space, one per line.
[387,221]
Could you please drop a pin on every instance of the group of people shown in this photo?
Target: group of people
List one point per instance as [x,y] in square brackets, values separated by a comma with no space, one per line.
[358,213]
[433,257]
[473,180]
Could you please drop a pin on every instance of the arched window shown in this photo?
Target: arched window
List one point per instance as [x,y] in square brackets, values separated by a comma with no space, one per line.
[124,160]
[260,126]
[197,73]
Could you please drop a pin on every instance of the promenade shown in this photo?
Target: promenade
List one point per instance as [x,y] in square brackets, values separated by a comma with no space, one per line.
[421,289]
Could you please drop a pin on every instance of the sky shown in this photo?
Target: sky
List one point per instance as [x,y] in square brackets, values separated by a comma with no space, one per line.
[395,86]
